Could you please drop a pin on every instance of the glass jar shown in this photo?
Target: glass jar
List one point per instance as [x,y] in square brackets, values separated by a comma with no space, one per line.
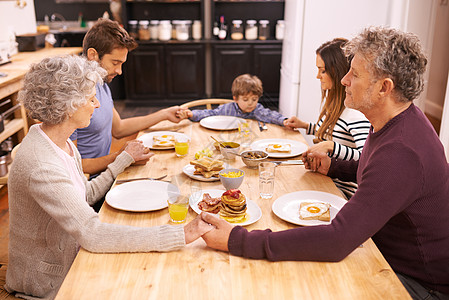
[251,30]
[264,30]
[237,30]
[165,30]
[144,30]
[133,30]
[154,29]
[196,30]
[173,28]
[280,29]
[183,30]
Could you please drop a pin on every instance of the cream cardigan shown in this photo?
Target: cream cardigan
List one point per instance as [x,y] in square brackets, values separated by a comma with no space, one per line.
[48,222]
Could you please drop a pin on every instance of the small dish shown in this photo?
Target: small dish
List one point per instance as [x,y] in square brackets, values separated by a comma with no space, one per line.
[231,182]
[252,158]
[232,149]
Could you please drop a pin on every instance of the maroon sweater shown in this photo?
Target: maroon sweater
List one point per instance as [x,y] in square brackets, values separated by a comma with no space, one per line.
[402,201]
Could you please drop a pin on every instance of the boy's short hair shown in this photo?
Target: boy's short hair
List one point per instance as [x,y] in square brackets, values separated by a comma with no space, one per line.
[246,84]
[107,35]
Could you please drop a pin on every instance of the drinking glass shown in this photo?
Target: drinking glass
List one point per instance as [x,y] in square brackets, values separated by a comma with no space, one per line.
[181,146]
[266,179]
[244,133]
[178,207]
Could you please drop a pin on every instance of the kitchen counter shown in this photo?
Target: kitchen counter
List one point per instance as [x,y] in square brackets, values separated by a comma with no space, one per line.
[20,63]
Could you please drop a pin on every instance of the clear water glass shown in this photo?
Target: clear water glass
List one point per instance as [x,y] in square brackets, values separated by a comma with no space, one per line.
[266,179]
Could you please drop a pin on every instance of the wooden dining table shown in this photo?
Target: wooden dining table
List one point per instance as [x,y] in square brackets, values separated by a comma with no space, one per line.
[199,272]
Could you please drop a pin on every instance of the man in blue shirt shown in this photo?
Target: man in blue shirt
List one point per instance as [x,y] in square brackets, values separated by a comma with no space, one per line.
[108,44]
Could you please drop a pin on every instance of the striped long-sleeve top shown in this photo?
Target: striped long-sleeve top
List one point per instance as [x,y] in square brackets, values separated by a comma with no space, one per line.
[348,136]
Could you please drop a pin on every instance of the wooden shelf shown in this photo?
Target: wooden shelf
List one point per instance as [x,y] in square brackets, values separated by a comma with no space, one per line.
[11,128]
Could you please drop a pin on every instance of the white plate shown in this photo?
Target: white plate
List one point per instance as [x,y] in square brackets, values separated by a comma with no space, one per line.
[297,147]
[286,207]
[189,169]
[253,210]
[142,195]
[221,122]
[147,138]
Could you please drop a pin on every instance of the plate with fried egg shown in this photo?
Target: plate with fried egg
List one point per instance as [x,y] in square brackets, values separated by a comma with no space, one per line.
[308,208]
[161,140]
[279,148]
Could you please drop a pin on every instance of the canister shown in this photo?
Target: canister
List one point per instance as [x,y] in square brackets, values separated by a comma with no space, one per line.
[280,29]
[183,30]
[237,30]
[154,29]
[165,30]
[144,30]
[196,30]
[133,31]
[264,30]
[251,30]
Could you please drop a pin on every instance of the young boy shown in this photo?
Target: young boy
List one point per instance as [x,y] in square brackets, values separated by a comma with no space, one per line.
[246,91]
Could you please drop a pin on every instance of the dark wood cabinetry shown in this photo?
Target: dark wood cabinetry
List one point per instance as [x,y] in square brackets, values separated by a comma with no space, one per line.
[165,73]
[260,59]
[185,71]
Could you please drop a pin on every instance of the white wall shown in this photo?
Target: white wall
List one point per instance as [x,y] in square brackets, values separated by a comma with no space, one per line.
[21,20]
[439,65]
[324,20]
[444,129]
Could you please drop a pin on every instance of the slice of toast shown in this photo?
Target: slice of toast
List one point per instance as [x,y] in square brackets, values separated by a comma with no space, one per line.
[322,215]
[207,163]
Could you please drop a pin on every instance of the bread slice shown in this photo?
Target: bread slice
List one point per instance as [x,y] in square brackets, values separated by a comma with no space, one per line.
[208,164]
[315,211]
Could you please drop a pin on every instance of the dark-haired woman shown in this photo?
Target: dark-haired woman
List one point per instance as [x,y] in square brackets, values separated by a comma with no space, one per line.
[340,132]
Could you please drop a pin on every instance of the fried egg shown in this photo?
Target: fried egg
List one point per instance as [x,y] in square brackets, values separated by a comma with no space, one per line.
[286,148]
[165,137]
[314,209]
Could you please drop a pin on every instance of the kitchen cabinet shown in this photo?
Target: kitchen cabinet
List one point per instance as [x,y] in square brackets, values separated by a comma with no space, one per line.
[258,58]
[172,72]
[165,73]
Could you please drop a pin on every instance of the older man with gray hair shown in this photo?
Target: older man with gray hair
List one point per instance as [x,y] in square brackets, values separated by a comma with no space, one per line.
[402,200]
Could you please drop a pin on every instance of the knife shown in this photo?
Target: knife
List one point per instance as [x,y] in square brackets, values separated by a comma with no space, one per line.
[260,126]
[288,162]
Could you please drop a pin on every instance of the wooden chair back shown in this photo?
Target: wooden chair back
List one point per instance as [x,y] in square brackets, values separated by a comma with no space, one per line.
[207,102]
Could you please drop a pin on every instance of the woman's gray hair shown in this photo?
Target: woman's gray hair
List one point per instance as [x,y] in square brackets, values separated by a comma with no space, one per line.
[56,87]
[394,54]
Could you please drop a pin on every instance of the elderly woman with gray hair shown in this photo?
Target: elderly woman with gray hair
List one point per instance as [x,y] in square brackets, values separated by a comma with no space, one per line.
[50,198]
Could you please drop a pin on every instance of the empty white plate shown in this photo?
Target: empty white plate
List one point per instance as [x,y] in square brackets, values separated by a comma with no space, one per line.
[221,122]
[142,195]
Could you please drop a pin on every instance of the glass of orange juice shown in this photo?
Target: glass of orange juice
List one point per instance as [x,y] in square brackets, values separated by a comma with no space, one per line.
[178,206]
[245,133]
[181,146]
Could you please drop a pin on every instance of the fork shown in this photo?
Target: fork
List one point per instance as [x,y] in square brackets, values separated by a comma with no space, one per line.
[264,126]
[141,178]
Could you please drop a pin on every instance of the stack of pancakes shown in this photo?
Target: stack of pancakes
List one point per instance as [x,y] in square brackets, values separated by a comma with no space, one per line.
[206,166]
[233,206]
